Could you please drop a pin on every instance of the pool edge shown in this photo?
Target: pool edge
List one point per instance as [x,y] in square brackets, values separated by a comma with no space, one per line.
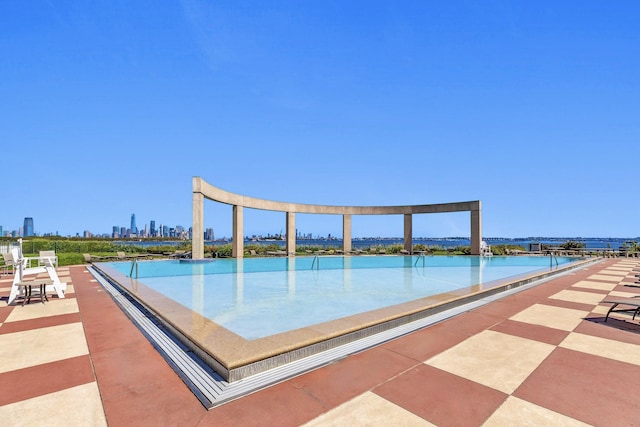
[238,370]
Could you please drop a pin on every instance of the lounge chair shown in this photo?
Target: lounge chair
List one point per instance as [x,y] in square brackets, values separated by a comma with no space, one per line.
[277,253]
[635,284]
[180,254]
[633,302]
[44,255]
[94,258]
[123,256]
[485,249]
[8,262]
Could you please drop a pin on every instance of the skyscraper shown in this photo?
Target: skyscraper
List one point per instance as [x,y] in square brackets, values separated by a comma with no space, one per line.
[153,228]
[208,234]
[28,227]
[134,229]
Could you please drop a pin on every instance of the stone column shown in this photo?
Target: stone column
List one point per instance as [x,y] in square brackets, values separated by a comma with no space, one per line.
[237,248]
[197,227]
[408,233]
[346,233]
[291,234]
[476,230]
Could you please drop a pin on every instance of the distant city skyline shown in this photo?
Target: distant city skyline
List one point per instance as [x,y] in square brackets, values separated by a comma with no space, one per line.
[29,229]
[180,232]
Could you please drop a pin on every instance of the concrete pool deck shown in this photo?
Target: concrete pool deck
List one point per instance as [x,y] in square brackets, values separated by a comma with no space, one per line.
[543,355]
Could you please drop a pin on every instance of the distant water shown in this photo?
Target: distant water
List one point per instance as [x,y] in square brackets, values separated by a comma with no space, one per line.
[595,243]
[358,243]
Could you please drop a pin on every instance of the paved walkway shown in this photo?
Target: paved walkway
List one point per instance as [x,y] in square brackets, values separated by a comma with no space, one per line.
[543,356]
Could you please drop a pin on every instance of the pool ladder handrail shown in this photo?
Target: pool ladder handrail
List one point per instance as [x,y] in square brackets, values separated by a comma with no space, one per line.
[420,255]
[315,258]
[552,256]
[134,263]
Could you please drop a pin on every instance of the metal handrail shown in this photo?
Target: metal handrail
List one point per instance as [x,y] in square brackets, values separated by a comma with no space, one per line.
[134,263]
[314,261]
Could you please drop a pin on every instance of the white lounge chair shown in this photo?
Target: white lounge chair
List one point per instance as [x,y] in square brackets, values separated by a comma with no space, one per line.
[485,249]
[8,262]
[22,274]
[51,255]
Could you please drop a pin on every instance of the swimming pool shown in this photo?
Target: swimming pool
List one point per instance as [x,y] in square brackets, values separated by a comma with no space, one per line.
[246,316]
[259,297]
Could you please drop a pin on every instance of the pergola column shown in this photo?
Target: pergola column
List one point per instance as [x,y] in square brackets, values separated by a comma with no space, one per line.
[237,245]
[197,227]
[346,233]
[408,233]
[476,230]
[291,233]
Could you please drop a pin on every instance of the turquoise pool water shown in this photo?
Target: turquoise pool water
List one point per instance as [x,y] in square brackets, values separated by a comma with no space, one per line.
[259,297]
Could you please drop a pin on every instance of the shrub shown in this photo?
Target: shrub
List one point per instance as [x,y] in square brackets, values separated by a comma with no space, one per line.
[569,245]
[222,251]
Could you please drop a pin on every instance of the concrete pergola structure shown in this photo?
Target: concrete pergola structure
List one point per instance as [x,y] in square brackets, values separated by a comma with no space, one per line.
[203,190]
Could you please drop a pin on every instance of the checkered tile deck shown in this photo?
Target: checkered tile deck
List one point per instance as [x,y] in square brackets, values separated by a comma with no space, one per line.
[543,356]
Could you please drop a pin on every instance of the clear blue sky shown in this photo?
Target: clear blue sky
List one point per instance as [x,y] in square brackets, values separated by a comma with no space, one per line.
[533,107]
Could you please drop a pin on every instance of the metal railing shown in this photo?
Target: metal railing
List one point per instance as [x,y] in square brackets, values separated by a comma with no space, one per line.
[420,255]
[316,262]
[134,263]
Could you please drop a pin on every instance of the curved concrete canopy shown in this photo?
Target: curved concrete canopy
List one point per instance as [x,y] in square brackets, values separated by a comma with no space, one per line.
[202,190]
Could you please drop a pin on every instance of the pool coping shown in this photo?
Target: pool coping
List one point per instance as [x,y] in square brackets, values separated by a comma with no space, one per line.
[235,358]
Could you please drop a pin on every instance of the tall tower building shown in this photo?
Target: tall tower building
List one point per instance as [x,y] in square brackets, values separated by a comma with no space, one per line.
[208,234]
[28,227]
[134,229]
[152,232]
